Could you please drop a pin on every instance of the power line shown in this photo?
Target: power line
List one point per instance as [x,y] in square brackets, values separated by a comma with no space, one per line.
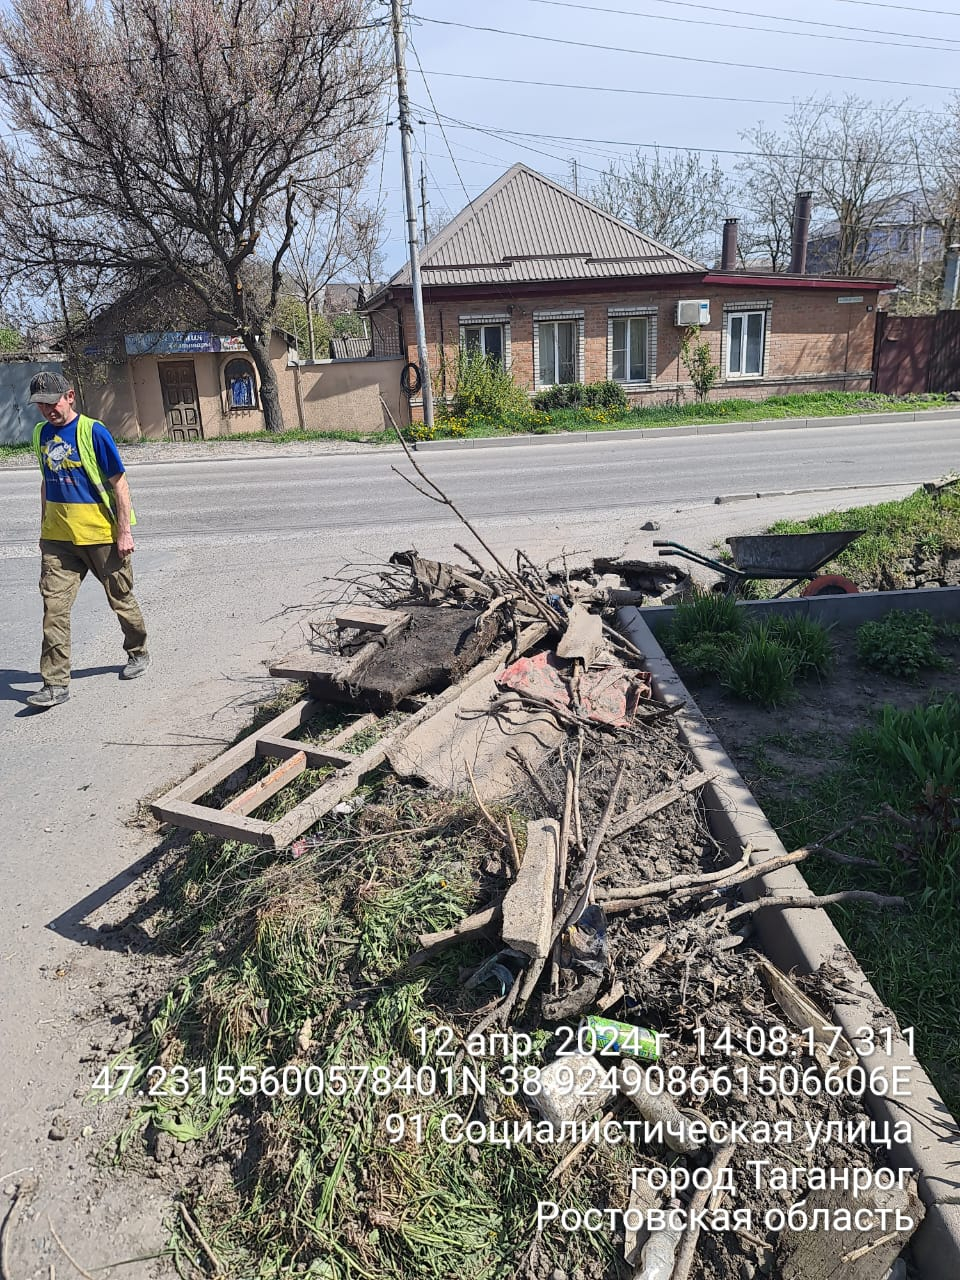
[515,142]
[800,22]
[620,143]
[740,26]
[604,88]
[677,57]
[905,8]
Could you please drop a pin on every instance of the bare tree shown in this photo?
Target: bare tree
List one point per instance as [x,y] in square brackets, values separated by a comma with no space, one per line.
[782,165]
[937,169]
[335,236]
[851,153]
[676,198]
[181,142]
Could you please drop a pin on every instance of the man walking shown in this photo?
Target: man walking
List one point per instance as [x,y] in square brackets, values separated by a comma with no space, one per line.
[85,528]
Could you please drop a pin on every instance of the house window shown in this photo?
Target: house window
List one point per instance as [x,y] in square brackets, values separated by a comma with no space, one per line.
[557,346]
[630,348]
[745,333]
[241,385]
[487,339]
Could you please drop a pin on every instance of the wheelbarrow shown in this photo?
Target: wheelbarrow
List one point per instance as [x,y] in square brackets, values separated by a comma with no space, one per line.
[797,556]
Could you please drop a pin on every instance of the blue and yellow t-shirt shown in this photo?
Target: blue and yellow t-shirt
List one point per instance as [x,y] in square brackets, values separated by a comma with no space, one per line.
[74,511]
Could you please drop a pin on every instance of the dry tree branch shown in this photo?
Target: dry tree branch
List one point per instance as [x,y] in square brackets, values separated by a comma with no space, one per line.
[789,902]
[435,494]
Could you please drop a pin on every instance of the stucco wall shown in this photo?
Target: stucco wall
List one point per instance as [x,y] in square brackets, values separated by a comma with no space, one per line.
[813,342]
[344,395]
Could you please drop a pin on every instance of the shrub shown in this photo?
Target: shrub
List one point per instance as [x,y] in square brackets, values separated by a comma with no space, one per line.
[695,354]
[484,389]
[808,641]
[761,669]
[580,395]
[899,644]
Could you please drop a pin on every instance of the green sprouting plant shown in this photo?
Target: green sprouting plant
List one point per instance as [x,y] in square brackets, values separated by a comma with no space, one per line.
[706,616]
[925,740]
[808,641]
[761,669]
[695,356]
[900,644]
[485,389]
[706,657]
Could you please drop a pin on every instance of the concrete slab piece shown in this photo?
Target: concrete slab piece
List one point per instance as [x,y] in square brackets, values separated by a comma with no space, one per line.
[528,905]
[470,732]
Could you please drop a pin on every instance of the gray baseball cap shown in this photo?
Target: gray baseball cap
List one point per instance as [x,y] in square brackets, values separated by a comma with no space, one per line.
[47,388]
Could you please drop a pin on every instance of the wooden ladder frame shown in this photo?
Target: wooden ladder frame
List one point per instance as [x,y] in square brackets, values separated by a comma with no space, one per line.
[179,805]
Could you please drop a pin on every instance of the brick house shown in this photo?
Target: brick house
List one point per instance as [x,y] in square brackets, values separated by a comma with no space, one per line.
[562,292]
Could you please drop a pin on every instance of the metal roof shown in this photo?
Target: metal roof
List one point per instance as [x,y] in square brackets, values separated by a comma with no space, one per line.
[527,228]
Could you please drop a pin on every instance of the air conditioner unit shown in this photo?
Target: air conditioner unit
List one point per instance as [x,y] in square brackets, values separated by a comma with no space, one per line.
[693,311]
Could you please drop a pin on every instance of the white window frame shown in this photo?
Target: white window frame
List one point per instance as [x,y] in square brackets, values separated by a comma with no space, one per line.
[730,313]
[634,313]
[552,317]
[487,320]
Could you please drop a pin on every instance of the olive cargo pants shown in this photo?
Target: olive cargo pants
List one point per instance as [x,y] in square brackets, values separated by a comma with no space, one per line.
[63,567]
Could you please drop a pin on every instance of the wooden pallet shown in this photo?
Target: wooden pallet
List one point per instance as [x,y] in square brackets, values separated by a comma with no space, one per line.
[233,822]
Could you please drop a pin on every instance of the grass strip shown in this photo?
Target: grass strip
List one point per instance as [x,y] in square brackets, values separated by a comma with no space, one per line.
[293,963]
[909,760]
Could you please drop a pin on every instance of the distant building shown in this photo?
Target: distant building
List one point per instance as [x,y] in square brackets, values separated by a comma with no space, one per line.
[902,242]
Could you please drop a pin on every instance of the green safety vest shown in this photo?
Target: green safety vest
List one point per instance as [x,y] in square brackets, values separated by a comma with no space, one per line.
[88,460]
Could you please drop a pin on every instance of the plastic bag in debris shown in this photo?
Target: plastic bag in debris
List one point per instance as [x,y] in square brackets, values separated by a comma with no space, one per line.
[494,972]
[585,945]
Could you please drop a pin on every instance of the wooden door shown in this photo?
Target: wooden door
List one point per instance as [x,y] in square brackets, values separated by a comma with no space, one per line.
[181,404]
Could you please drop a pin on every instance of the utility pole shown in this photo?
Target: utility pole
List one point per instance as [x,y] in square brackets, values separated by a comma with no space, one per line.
[406,130]
[576,176]
[423,201]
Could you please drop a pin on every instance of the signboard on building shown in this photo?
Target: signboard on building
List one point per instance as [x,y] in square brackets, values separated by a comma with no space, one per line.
[192,342]
[169,344]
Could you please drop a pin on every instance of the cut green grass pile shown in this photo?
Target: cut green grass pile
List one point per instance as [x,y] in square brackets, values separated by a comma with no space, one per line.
[711,636]
[909,760]
[926,524]
[293,969]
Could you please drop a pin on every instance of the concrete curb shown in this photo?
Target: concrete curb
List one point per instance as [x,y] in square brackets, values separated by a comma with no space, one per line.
[805,939]
[700,429]
[830,611]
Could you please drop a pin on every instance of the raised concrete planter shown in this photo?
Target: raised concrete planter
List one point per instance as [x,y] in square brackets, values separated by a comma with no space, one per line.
[838,611]
[805,939]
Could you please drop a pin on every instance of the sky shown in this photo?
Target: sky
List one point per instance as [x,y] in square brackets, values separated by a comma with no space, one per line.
[637,73]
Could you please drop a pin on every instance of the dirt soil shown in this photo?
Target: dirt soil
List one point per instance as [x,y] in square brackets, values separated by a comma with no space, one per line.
[771,747]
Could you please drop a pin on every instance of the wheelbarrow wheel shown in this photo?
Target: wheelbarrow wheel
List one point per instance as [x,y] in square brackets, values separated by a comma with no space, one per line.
[830,584]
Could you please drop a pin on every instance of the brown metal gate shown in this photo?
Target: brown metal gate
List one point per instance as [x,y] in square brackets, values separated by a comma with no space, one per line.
[944,372]
[914,354]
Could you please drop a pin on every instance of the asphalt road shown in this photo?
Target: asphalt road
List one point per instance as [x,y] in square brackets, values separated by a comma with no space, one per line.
[231,557]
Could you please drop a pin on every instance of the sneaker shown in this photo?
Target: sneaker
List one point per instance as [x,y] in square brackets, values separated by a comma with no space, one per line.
[136,666]
[51,695]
